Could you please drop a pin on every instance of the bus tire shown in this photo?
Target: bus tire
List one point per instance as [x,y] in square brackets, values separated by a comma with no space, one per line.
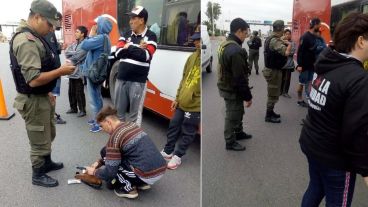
[112,79]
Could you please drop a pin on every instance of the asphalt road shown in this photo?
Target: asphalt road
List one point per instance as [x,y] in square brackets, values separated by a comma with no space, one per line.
[272,172]
[75,145]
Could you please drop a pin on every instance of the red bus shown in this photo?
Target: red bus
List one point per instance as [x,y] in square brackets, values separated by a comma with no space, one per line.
[164,16]
[329,11]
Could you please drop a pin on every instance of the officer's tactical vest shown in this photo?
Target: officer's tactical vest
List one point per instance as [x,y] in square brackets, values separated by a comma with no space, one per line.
[272,58]
[224,76]
[47,64]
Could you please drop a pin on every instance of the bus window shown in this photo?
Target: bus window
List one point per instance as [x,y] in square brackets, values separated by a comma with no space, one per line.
[172,21]
[338,12]
[180,22]
[365,9]
[154,8]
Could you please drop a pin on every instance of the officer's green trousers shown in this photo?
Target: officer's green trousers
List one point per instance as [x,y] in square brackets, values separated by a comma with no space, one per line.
[253,59]
[234,111]
[274,80]
[38,114]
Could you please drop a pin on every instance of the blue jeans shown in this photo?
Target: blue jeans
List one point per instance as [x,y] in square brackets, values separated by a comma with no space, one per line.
[56,90]
[336,185]
[95,97]
[305,78]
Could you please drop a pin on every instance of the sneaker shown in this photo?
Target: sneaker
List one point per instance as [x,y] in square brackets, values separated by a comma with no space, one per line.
[235,146]
[302,104]
[59,120]
[95,128]
[71,111]
[91,122]
[174,163]
[166,156]
[121,192]
[144,187]
[81,114]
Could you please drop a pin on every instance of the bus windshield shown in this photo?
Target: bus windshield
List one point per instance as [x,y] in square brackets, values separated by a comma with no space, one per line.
[173,21]
[340,11]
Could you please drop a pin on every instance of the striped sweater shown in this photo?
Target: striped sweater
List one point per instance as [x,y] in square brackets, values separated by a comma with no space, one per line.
[129,144]
[134,60]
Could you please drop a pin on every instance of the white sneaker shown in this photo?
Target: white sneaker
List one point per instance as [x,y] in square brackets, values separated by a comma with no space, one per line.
[166,156]
[174,163]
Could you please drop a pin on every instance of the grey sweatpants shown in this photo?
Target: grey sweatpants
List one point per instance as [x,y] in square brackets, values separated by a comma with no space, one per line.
[129,99]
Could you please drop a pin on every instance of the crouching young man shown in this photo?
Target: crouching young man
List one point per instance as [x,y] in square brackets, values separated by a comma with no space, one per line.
[130,160]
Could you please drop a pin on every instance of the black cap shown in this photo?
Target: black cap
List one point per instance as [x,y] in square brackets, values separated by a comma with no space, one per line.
[237,24]
[139,11]
[313,22]
[196,36]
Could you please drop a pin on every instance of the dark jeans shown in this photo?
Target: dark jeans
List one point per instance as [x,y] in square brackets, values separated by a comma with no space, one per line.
[76,95]
[184,124]
[286,77]
[336,185]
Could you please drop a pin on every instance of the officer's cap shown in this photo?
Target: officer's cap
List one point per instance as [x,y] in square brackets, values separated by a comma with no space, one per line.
[278,25]
[47,10]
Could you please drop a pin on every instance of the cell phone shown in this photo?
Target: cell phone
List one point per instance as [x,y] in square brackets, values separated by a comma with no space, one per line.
[74,181]
[81,168]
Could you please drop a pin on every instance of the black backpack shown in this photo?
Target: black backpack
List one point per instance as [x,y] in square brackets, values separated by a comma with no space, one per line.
[98,71]
[273,59]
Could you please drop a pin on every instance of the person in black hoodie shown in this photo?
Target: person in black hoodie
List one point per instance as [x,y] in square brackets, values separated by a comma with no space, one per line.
[334,136]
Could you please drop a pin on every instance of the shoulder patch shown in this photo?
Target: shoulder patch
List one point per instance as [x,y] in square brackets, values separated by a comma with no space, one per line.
[30,36]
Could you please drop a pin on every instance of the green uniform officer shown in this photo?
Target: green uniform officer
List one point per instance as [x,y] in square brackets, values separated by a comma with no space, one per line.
[233,83]
[34,71]
[254,44]
[276,52]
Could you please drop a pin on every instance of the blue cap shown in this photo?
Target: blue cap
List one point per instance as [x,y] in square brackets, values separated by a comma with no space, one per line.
[196,36]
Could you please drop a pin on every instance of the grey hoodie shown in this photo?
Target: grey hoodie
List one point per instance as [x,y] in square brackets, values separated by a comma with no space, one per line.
[76,55]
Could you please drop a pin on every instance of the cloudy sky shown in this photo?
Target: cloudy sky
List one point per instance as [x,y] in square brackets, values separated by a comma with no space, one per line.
[251,10]
[14,10]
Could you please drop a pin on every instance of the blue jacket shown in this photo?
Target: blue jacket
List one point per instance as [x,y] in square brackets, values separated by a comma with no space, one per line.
[95,45]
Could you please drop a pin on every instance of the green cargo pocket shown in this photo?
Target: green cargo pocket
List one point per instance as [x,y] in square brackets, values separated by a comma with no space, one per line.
[36,134]
[19,106]
[273,90]
[267,73]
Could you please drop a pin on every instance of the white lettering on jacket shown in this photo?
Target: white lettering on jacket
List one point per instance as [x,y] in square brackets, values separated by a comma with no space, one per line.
[319,91]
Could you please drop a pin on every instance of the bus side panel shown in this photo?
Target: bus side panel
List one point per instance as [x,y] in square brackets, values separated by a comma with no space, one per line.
[304,11]
[84,13]
[164,78]
[155,102]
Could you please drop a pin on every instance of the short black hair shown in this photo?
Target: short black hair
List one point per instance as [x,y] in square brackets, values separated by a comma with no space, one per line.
[287,30]
[83,30]
[313,22]
[237,24]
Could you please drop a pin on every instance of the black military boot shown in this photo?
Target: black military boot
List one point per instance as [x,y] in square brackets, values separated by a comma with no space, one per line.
[235,146]
[40,178]
[242,135]
[275,115]
[50,165]
[270,118]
